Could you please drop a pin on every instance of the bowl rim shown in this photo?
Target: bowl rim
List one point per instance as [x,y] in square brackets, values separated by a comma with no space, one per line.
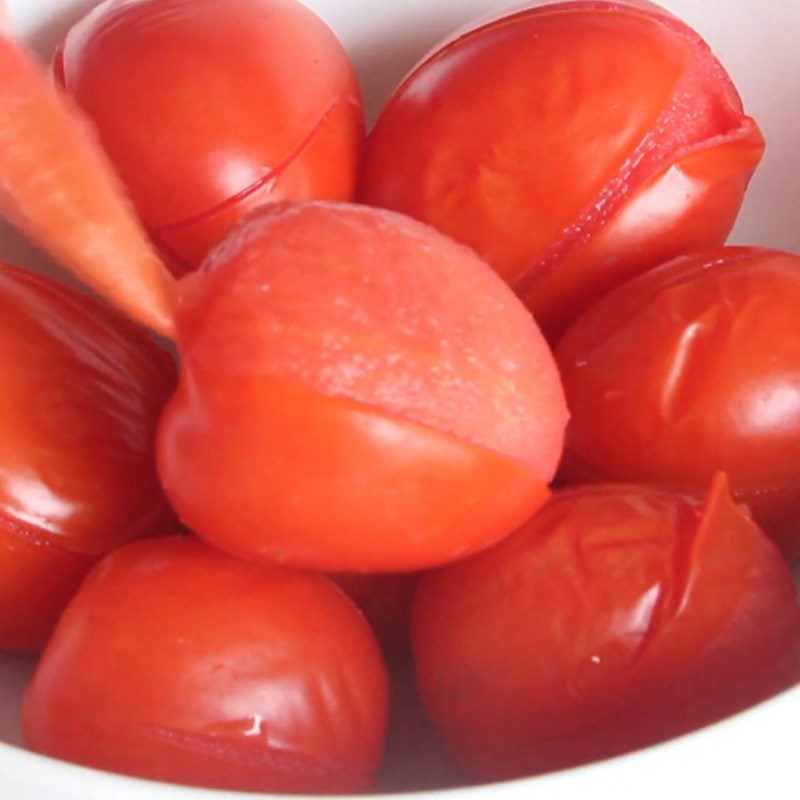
[724,741]
[728,756]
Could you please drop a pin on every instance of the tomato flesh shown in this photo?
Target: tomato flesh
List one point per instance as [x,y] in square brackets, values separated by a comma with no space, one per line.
[623,143]
[80,396]
[212,108]
[367,395]
[691,368]
[617,617]
[178,663]
[57,187]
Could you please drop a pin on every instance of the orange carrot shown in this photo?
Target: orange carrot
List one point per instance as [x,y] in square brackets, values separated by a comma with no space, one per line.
[58,187]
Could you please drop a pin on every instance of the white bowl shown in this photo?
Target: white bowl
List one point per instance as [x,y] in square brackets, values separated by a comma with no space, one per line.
[752,754]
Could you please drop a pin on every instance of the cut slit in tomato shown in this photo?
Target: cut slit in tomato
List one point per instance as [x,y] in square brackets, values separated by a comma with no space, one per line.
[58,188]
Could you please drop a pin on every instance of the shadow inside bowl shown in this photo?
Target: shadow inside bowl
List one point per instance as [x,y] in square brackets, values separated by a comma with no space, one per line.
[15,671]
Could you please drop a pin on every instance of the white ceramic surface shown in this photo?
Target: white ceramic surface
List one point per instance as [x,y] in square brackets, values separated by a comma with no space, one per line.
[753,754]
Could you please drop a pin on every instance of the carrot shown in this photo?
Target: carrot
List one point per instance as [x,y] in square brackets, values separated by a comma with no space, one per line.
[58,187]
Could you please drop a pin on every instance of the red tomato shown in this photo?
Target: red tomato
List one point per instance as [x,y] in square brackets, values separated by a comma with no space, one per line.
[691,368]
[617,617]
[175,662]
[385,601]
[81,391]
[211,108]
[358,393]
[572,145]
[37,580]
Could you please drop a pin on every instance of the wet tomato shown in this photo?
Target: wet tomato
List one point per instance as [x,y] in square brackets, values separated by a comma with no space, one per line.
[617,617]
[572,145]
[357,393]
[211,108]
[691,368]
[178,663]
[81,391]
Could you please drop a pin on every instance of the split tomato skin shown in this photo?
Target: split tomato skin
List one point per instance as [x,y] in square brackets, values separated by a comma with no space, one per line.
[211,109]
[81,393]
[176,662]
[367,395]
[619,616]
[691,368]
[624,143]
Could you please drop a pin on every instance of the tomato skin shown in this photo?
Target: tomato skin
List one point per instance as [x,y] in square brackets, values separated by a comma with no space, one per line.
[365,394]
[623,144]
[619,616]
[81,391]
[176,662]
[39,578]
[211,108]
[691,368]
[315,484]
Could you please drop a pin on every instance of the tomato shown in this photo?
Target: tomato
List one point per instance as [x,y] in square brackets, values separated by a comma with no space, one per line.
[211,108]
[572,145]
[81,391]
[175,662]
[691,368]
[357,393]
[37,581]
[57,187]
[617,617]
[385,601]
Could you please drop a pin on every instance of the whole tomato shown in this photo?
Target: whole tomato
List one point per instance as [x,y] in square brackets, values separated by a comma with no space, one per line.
[210,108]
[81,391]
[691,368]
[357,393]
[178,663]
[619,616]
[572,145]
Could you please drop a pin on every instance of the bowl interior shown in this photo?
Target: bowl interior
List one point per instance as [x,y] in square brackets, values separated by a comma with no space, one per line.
[757,43]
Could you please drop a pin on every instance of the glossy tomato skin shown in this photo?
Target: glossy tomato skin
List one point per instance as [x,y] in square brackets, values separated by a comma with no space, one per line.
[572,145]
[178,663]
[81,391]
[691,368]
[619,616]
[211,108]
[357,393]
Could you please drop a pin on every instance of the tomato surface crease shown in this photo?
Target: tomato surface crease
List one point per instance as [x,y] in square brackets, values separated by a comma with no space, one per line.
[271,175]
